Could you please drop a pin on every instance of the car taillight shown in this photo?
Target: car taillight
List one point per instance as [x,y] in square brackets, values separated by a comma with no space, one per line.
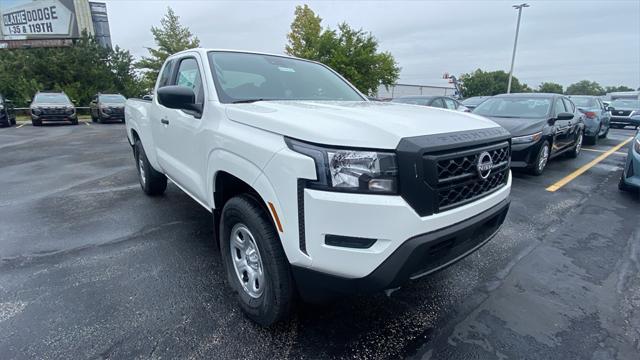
[590,114]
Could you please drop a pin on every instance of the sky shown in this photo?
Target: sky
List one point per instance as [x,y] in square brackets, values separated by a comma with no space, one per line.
[560,41]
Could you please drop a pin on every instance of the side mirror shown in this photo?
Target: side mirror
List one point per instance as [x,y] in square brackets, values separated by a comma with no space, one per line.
[147,97]
[564,116]
[178,97]
[610,108]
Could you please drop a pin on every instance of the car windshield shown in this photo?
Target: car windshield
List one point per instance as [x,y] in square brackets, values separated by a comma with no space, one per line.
[514,107]
[413,100]
[113,99]
[52,99]
[244,77]
[586,102]
[474,101]
[626,104]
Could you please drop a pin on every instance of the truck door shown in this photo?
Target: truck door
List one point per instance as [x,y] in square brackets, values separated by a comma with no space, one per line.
[182,158]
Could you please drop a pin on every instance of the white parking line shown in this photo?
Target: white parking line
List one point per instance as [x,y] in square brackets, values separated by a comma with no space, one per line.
[21,125]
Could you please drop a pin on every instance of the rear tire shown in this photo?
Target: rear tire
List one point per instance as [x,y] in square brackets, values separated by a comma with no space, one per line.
[541,159]
[606,133]
[245,227]
[577,148]
[621,184]
[152,182]
[74,122]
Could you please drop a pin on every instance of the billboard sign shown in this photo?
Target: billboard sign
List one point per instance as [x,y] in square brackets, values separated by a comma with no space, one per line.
[38,19]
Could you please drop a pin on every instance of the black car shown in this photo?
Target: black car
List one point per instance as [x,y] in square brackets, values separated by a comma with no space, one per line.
[7,112]
[473,102]
[107,107]
[443,102]
[542,127]
[52,106]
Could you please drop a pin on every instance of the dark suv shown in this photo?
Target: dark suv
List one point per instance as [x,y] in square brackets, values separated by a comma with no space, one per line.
[7,112]
[107,107]
[52,106]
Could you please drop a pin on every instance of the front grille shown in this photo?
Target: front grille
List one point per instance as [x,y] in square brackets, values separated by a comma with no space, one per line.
[117,110]
[621,112]
[457,180]
[53,111]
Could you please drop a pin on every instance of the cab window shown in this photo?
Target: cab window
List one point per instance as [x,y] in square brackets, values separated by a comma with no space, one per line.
[165,77]
[568,105]
[189,75]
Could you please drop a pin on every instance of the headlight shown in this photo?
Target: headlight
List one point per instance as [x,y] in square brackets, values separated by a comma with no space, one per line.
[636,145]
[105,109]
[36,111]
[1,107]
[351,170]
[69,109]
[527,139]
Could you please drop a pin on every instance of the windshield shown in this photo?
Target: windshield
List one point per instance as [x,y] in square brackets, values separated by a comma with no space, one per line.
[414,101]
[52,99]
[113,98]
[247,77]
[585,102]
[628,104]
[512,107]
[474,100]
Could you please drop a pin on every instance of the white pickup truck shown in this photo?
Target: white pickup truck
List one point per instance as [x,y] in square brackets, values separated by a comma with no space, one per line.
[314,190]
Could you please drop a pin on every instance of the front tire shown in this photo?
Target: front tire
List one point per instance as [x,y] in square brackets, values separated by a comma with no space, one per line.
[257,268]
[541,159]
[36,122]
[152,182]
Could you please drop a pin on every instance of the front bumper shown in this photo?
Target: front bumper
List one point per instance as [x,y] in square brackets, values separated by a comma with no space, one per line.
[524,155]
[631,172]
[625,120]
[57,117]
[416,257]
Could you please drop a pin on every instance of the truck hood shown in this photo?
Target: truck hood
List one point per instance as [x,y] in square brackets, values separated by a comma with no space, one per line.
[356,124]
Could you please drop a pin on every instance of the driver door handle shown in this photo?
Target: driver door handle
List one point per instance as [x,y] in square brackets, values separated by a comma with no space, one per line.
[164,121]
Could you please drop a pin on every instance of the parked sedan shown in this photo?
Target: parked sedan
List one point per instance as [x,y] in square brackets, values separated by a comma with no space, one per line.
[543,126]
[107,107]
[597,117]
[623,111]
[630,178]
[7,112]
[473,102]
[52,106]
[443,102]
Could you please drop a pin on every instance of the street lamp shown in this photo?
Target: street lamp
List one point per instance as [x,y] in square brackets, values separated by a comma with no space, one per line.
[515,43]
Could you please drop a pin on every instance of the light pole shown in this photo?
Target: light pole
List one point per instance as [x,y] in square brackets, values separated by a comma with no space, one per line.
[515,43]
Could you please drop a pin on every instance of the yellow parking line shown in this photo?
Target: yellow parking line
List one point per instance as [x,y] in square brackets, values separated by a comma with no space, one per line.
[604,151]
[567,179]
[21,125]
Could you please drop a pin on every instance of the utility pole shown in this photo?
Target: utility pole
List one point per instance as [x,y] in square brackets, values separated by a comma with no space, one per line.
[515,43]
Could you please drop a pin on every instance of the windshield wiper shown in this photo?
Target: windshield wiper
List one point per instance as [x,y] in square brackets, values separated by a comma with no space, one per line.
[247,101]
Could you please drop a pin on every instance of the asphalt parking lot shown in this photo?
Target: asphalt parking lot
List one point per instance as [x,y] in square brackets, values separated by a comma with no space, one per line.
[92,268]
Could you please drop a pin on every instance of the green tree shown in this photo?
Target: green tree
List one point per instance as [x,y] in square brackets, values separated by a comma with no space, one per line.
[352,53]
[80,70]
[489,83]
[171,37]
[585,87]
[550,87]
[610,89]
